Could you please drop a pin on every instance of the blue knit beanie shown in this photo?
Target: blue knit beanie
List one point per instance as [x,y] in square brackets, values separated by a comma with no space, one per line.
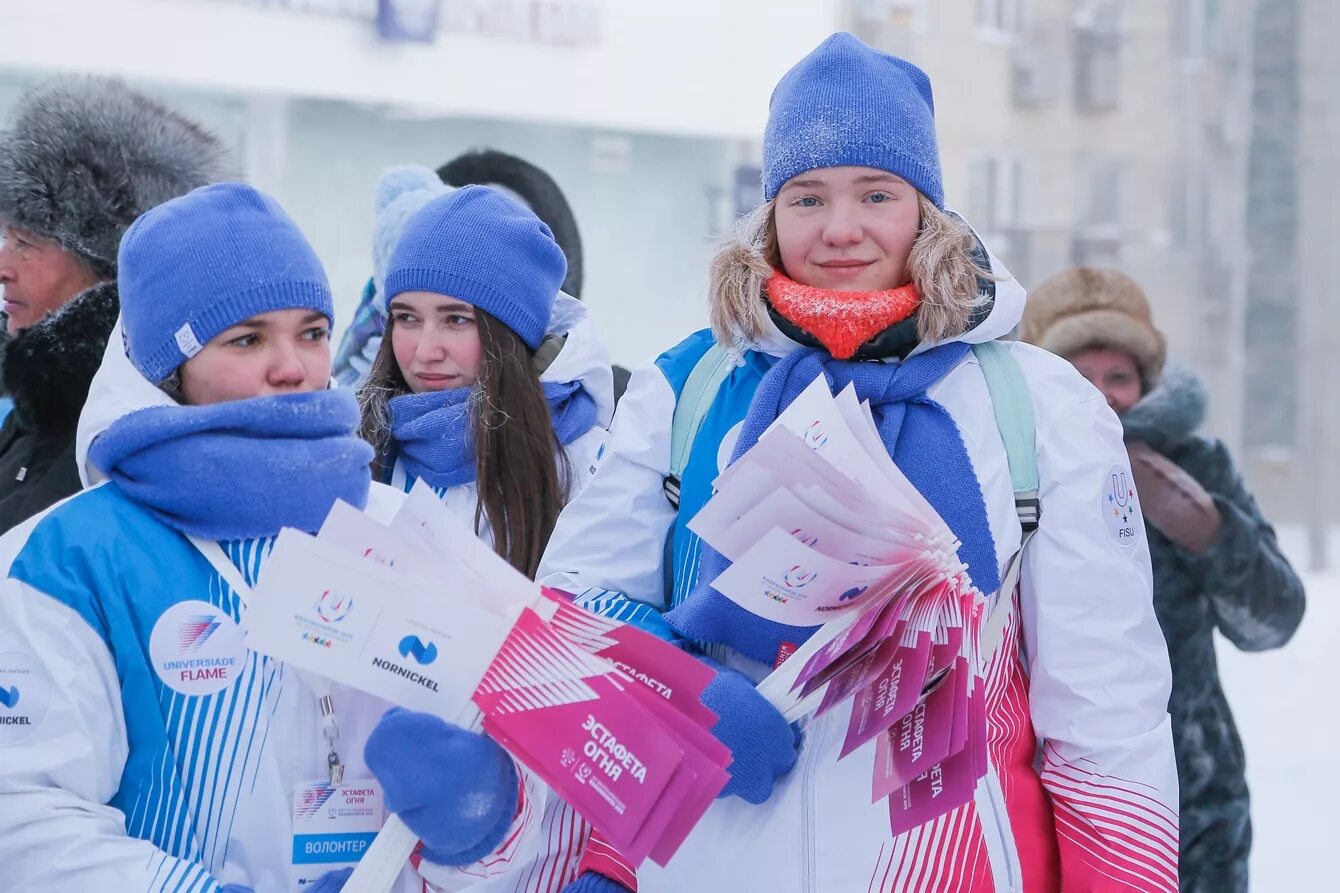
[402,192]
[202,263]
[481,247]
[848,105]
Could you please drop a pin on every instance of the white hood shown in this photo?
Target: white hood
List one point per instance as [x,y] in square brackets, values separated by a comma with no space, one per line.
[118,389]
[583,357]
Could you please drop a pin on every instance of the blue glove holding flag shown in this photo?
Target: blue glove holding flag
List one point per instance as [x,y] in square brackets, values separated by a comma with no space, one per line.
[457,790]
[762,742]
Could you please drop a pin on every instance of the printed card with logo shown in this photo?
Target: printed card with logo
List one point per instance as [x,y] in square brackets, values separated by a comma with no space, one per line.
[333,825]
[402,638]
[422,614]
[823,529]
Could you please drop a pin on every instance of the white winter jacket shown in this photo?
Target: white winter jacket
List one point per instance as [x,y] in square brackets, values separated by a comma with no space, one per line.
[115,781]
[1080,681]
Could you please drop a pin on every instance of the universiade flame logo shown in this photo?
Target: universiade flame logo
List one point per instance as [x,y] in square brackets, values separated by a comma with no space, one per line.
[195,632]
[313,800]
[413,646]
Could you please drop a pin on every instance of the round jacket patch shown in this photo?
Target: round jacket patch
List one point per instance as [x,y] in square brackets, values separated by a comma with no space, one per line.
[196,648]
[25,693]
[1121,507]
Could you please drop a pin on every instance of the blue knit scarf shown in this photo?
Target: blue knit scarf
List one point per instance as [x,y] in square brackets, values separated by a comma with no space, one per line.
[241,469]
[433,437]
[924,442]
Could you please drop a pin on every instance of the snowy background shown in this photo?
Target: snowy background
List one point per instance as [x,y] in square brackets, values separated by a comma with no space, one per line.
[1287,716]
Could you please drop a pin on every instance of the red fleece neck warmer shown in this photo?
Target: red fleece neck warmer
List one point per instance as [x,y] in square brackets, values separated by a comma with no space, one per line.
[841,320]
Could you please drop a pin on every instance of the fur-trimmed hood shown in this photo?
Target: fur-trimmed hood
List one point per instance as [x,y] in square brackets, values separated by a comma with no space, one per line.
[82,157]
[47,367]
[1172,412]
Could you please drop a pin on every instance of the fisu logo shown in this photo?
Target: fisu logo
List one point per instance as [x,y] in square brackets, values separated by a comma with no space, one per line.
[333,607]
[798,578]
[1122,492]
[413,646]
[1121,507]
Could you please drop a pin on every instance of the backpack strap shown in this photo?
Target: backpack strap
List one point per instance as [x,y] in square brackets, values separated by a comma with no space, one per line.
[1013,408]
[695,399]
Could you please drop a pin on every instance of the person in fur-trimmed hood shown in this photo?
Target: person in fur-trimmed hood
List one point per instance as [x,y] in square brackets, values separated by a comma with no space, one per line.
[1216,562]
[856,273]
[80,160]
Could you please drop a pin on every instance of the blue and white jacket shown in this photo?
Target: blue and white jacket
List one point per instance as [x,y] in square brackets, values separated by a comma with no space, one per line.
[142,748]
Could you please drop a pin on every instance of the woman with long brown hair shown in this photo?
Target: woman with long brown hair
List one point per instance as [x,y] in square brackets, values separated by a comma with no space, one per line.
[489,385]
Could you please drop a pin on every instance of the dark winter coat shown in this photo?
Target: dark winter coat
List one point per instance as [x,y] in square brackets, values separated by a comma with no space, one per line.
[47,369]
[1243,587]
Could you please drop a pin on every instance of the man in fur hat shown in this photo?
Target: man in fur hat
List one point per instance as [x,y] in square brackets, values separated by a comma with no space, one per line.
[1216,562]
[80,160]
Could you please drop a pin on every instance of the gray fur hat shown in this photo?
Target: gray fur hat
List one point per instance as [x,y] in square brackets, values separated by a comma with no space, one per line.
[82,157]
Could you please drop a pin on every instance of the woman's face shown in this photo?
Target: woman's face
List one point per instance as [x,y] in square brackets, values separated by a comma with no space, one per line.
[435,340]
[1114,373]
[279,352]
[847,228]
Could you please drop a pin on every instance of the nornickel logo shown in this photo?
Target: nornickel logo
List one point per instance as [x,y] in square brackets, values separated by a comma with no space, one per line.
[413,646]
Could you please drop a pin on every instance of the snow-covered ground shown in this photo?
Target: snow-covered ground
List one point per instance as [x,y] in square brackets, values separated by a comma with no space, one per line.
[1286,710]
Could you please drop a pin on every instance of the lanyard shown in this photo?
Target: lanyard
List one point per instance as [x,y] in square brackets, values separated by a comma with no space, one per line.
[330,731]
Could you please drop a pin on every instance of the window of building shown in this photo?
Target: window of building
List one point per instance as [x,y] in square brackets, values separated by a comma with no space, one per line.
[1099,26]
[998,207]
[1000,18]
[1099,215]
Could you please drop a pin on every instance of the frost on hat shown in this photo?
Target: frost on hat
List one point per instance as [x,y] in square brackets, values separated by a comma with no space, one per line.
[847,104]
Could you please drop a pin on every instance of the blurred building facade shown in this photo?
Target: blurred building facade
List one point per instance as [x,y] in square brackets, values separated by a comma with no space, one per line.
[1187,142]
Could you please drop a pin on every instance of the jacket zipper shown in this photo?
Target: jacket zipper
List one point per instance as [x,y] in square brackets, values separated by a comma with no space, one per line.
[1001,821]
[814,748]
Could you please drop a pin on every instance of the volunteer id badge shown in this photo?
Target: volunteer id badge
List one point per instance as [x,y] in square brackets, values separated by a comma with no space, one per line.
[332,827]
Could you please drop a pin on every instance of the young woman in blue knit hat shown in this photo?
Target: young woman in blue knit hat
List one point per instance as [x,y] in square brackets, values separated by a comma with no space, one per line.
[490,384]
[144,748]
[856,270]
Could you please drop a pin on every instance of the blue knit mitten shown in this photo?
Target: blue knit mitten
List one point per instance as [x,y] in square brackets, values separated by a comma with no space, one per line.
[457,790]
[762,742]
[594,882]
